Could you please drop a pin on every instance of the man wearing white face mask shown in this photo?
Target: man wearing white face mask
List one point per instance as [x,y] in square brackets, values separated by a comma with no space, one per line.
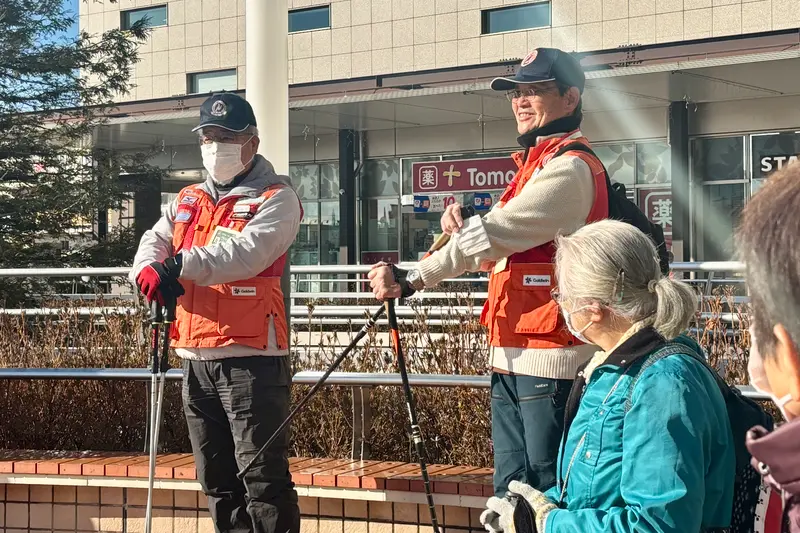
[225,242]
[768,241]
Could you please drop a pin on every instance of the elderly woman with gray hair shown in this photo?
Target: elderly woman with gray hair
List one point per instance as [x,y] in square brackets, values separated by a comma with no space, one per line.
[647,444]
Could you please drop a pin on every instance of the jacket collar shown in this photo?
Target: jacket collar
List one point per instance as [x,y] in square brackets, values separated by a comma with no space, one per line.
[639,345]
[555,128]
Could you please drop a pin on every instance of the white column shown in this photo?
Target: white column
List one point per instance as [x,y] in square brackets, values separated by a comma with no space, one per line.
[267,76]
[267,89]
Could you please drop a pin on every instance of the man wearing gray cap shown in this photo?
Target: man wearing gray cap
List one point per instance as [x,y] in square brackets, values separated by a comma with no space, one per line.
[534,355]
[225,242]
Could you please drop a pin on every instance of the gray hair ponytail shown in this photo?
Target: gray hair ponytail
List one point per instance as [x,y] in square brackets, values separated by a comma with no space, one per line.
[616,265]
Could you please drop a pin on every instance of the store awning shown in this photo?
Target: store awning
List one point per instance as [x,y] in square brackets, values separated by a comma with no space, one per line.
[625,79]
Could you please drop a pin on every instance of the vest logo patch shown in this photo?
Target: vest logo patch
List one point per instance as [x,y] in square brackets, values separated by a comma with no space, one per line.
[243,291]
[189,200]
[183,216]
[536,280]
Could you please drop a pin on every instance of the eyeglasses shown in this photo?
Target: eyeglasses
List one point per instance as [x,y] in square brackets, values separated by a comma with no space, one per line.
[222,137]
[555,295]
[529,91]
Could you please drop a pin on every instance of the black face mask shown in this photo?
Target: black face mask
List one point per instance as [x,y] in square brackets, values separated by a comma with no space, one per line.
[560,125]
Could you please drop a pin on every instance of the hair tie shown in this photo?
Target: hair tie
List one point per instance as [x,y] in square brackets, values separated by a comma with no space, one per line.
[651,285]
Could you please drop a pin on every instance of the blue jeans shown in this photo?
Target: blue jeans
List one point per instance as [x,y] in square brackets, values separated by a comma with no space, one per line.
[527,422]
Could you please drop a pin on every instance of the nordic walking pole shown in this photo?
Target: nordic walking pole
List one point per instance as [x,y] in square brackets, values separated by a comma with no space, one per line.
[156,318]
[416,434]
[360,335]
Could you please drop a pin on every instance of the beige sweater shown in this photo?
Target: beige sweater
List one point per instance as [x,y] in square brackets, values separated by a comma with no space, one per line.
[557,200]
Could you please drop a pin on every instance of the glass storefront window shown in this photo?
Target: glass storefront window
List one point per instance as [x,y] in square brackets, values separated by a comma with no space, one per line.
[317,240]
[773,151]
[305,250]
[381,177]
[329,232]
[652,163]
[419,232]
[718,159]
[329,181]
[618,160]
[305,179]
[721,207]
[379,224]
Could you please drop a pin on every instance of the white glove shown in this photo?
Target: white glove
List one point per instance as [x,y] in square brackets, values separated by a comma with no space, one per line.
[499,516]
[540,504]
[489,519]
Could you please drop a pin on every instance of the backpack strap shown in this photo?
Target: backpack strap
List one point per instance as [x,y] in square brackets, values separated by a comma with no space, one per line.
[671,348]
[580,147]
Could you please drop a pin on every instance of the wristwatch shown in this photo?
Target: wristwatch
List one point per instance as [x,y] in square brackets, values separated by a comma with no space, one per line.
[414,278]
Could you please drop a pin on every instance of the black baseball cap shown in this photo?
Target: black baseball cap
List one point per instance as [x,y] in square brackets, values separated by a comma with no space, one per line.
[545,64]
[227,111]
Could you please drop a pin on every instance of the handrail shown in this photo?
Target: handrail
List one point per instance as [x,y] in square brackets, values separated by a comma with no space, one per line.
[307,377]
[697,266]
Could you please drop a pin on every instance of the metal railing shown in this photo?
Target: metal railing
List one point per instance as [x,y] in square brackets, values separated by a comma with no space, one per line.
[336,277]
[360,383]
[325,296]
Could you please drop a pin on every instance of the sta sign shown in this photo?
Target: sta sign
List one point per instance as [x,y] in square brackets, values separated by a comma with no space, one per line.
[776,162]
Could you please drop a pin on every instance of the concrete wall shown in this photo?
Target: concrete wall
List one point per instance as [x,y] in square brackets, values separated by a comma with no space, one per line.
[371,37]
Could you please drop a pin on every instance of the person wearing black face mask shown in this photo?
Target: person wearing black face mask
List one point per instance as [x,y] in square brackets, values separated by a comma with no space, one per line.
[533,355]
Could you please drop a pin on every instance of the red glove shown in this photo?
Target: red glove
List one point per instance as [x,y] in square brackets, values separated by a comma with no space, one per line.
[149,280]
[160,279]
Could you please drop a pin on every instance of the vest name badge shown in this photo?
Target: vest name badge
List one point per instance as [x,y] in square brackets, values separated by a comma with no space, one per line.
[222,234]
[245,210]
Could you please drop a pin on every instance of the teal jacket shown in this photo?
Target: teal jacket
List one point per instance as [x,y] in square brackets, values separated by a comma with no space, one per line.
[663,463]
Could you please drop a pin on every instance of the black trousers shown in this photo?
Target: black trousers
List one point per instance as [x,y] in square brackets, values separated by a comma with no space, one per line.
[232,407]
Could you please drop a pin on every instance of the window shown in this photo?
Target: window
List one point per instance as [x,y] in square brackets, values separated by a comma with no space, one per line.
[718,194]
[313,18]
[209,82]
[514,18]
[317,242]
[380,210]
[154,16]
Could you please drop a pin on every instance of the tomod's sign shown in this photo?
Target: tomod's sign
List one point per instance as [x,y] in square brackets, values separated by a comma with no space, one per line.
[464,175]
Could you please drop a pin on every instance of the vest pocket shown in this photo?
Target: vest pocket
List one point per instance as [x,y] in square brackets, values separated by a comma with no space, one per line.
[242,309]
[530,300]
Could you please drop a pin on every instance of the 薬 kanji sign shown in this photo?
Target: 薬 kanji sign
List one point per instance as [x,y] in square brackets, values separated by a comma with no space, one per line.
[657,205]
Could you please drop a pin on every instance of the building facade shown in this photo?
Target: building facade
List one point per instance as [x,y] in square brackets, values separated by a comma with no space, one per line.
[689,103]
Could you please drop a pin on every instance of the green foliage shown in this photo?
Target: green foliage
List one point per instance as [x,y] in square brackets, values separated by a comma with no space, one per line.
[55,92]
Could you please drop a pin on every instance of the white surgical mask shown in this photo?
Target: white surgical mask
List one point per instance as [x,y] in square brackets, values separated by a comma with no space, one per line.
[577,334]
[758,376]
[223,160]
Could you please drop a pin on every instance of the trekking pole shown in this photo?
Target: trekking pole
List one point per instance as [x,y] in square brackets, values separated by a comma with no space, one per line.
[156,319]
[360,335]
[160,366]
[416,434]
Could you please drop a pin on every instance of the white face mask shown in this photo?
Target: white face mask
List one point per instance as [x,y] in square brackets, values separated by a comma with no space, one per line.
[758,376]
[577,334]
[223,160]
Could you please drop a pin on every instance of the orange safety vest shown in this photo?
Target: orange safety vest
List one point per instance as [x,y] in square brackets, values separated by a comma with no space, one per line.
[229,313]
[519,311]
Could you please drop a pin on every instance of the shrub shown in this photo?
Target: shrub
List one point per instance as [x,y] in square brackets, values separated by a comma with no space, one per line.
[111,415]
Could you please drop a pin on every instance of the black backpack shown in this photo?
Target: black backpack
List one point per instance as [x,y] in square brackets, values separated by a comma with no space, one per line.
[621,208]
[744,414]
